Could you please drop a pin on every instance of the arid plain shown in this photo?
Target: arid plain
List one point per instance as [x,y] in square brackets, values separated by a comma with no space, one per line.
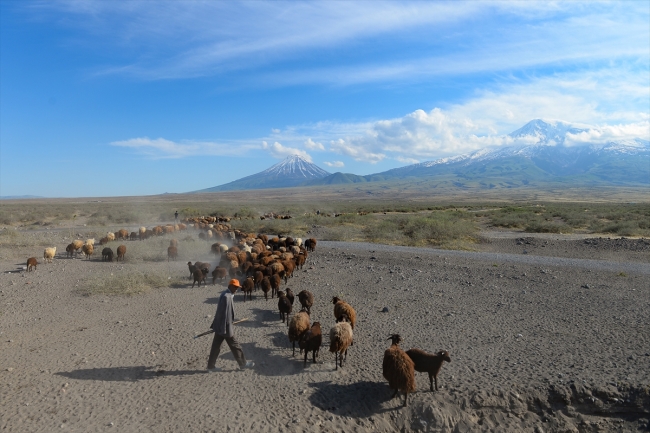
[547,331]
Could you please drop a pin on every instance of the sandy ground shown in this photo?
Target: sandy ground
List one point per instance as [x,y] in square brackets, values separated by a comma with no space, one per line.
[545,335]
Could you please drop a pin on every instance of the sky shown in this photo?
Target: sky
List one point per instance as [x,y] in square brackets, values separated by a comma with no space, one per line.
[108,98]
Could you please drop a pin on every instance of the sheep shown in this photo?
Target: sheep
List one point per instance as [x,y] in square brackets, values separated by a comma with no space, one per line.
[341,338]
[266,288]
[275,285]
[298,325]
[284,306]
[173,243]
[88,250]
[134,236]
[398,369]
[142,233]
[77,244]
[121,252]
[306,299]
[31,264]
[90,241]
[341,307]
[107,254]
[110,236]
[247,287]
[289,266]
[300,260]
[428,363]
[311,341]
[48,254]
[310,244]
[290,296]
[104,240]
[172,253]
[258,276]
[220,273]
[69,250]
[123,234]
[198,277]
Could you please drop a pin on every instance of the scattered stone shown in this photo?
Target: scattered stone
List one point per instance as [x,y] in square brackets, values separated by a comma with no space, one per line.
[385,310]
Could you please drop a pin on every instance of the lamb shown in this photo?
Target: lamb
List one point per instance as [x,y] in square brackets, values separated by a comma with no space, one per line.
[142,233]
[121,252]
[110,236]
[198,277]
[306,299]
[341,338]
[220,273]
[172,253]
[107,254]
[429,363]
[88,250]
[69,250]
[90,241]
[398,369]
[341,307]
[48,254]
[311,341]
[31,264]
[284,306]
[298,325]
[247,287]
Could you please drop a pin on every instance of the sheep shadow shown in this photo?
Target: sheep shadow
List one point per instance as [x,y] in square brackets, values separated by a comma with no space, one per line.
[262,315]
[359,399]
[124,374]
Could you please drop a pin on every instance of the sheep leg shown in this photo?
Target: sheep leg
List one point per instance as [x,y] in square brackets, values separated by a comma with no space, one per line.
[395,393]
[294,349]
[314,355]
[406,397]
[305,363]
[336,360]
[435,377]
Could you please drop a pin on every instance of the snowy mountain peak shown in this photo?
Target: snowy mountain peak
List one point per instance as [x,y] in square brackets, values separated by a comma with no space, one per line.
[296,166]
[543,132]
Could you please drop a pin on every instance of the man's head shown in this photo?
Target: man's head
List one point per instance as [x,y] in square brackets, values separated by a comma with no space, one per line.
[234,285]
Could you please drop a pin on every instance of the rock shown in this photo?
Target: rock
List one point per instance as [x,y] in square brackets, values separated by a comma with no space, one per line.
[384,310]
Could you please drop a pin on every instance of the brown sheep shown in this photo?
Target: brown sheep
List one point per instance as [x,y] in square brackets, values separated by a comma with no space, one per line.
[311,341]
[284,306]
[69,250]
[247,287]
[134,236]
[298,325]
[341,307]
[123,234]
[306,299]
[290,296]
[266,287]
[198,277]
[104,240]
[300,261]
[341,338]
[398,369]
[78,243]
[31,264]
[88,250]
[428,363]
[310,244]
[121,252]
[173,243]
[220,273]
[289,266]
[172,253]
[275,284]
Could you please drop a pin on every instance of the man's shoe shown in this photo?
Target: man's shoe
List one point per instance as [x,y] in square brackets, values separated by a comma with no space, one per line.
[249,364]
[214,369]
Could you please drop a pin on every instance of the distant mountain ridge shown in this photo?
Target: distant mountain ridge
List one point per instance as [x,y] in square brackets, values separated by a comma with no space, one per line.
[540,154]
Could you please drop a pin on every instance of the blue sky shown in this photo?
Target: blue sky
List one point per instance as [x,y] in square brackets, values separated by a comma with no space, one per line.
[132,98]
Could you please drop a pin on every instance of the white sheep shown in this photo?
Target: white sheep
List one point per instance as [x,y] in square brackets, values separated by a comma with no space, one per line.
[49,254]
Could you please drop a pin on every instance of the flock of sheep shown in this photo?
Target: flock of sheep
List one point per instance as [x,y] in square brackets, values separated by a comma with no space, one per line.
[260,262]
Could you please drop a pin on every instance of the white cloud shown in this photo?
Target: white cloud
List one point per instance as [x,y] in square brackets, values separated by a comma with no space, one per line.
[275,130]
[334,163]
[279,151]
[161,148]
[312,145]
[607,133]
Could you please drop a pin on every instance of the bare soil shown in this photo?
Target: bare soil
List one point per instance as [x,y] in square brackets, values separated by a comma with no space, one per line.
[545,334]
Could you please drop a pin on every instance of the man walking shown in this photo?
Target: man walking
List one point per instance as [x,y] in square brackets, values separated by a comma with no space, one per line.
[223,329]
[176,216]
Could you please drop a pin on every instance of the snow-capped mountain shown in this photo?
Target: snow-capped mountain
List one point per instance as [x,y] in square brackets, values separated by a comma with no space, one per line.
[541,147]
[294,170]
[297,167]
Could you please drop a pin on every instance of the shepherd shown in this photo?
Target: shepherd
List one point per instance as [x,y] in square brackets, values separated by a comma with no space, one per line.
[223,327]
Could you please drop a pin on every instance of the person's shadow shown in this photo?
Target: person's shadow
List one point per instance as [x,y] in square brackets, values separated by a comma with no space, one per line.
[124,374]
